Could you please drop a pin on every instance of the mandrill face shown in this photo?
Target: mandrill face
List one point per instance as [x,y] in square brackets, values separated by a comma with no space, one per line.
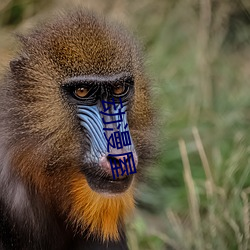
[54,125]
[89,94]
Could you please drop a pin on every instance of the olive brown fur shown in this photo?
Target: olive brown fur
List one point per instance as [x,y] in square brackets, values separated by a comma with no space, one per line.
[46,201]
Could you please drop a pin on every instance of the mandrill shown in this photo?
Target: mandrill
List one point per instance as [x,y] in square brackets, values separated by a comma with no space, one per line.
[57,190]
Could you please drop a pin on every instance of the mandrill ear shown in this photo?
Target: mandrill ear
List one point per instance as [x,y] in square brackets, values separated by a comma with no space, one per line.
[17,67]
[18,63]
[15,64]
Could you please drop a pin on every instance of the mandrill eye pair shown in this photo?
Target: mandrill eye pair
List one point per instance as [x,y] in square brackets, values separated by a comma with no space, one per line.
[89,89]
[82,92]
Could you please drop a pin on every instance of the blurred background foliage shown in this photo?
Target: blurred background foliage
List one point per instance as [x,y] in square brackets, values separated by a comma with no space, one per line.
[196,194]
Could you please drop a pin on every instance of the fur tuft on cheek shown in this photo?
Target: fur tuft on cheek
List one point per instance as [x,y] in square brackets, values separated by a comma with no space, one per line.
[98,213]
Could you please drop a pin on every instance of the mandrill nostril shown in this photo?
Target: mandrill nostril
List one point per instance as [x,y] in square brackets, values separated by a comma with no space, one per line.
[116,159]
[119,162]
[113,159]
[119,166]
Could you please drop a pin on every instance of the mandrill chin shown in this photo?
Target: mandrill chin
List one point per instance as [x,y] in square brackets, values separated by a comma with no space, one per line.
[59,135]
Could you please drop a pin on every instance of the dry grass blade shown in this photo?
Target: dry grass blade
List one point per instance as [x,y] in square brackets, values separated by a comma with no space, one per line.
[192,197]
[204,159]
[246,220]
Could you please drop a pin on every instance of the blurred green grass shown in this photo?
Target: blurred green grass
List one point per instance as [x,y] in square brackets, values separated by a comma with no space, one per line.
[198,53]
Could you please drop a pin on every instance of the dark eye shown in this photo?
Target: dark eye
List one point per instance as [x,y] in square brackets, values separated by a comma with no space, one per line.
[119,89]
[81,92]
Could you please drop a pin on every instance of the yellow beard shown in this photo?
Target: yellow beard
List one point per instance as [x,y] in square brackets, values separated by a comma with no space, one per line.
[96,212]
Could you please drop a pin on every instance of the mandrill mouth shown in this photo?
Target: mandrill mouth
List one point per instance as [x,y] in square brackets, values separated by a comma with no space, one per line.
[102,182]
